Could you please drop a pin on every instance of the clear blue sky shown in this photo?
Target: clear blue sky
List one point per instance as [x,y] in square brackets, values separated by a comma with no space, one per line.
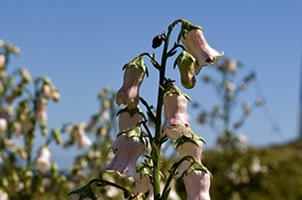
[82,46]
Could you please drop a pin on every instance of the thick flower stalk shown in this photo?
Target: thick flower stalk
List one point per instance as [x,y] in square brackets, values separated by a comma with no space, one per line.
[127,148]
[176,118]
[186,64]
[193,39]
[133,77]
[80,136]
[197,185]
[129,118]
[43,162]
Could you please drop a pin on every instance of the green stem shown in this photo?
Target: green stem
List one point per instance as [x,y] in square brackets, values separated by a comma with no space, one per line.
[156,147]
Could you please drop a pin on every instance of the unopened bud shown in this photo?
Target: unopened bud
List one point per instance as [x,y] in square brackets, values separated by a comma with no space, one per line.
[157,40]
[46,90]
[56,96]
[25,75]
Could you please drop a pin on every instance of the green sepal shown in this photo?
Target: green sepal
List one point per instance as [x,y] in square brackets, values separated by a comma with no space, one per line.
[135,131]
[172,89]
[132,111]
[195,166]
[185,28]
[85,192]
[138,62]
[184,139]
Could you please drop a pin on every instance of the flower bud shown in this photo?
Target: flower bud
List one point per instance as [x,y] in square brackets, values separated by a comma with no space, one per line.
[133,77]
[126,150]
[25,75]
[43,163]
[197,185]
[157,40]
[186,63]
[176,118]
[46,90]
[56,95]
[193,39]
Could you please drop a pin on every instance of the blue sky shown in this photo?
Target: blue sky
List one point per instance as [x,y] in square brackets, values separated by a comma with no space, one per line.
[82,47]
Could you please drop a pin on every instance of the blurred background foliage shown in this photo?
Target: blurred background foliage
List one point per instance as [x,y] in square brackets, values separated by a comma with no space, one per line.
[27,172]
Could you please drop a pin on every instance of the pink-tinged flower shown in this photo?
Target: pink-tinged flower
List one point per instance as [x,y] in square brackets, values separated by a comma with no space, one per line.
[3,125]
[129,118]
[80,136]
[126,150]
[190,149]
[2,61]
[3,195]
[186,64]
[176,118]
[143,185]
[41,111]
[133,77]
[43,163]
[197,185]
[197,45]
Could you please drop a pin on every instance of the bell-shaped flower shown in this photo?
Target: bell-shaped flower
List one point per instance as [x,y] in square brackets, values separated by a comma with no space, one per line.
[197,185]
[3,195]
[176,118]
[43,162]
[127,149]
[129,118]
[193,39]
[186,64]
[80,136]
[143,185]
[2,61]
[133,77]
[41,111]
[189,146]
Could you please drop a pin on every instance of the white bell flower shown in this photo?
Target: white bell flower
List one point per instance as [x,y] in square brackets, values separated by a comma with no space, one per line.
[43,162]
[197,185]
[126,150]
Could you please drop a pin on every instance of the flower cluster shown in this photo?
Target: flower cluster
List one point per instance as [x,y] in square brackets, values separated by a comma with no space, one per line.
[131,141]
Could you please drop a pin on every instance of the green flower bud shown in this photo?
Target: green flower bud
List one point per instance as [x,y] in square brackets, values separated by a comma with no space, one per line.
[186,63]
